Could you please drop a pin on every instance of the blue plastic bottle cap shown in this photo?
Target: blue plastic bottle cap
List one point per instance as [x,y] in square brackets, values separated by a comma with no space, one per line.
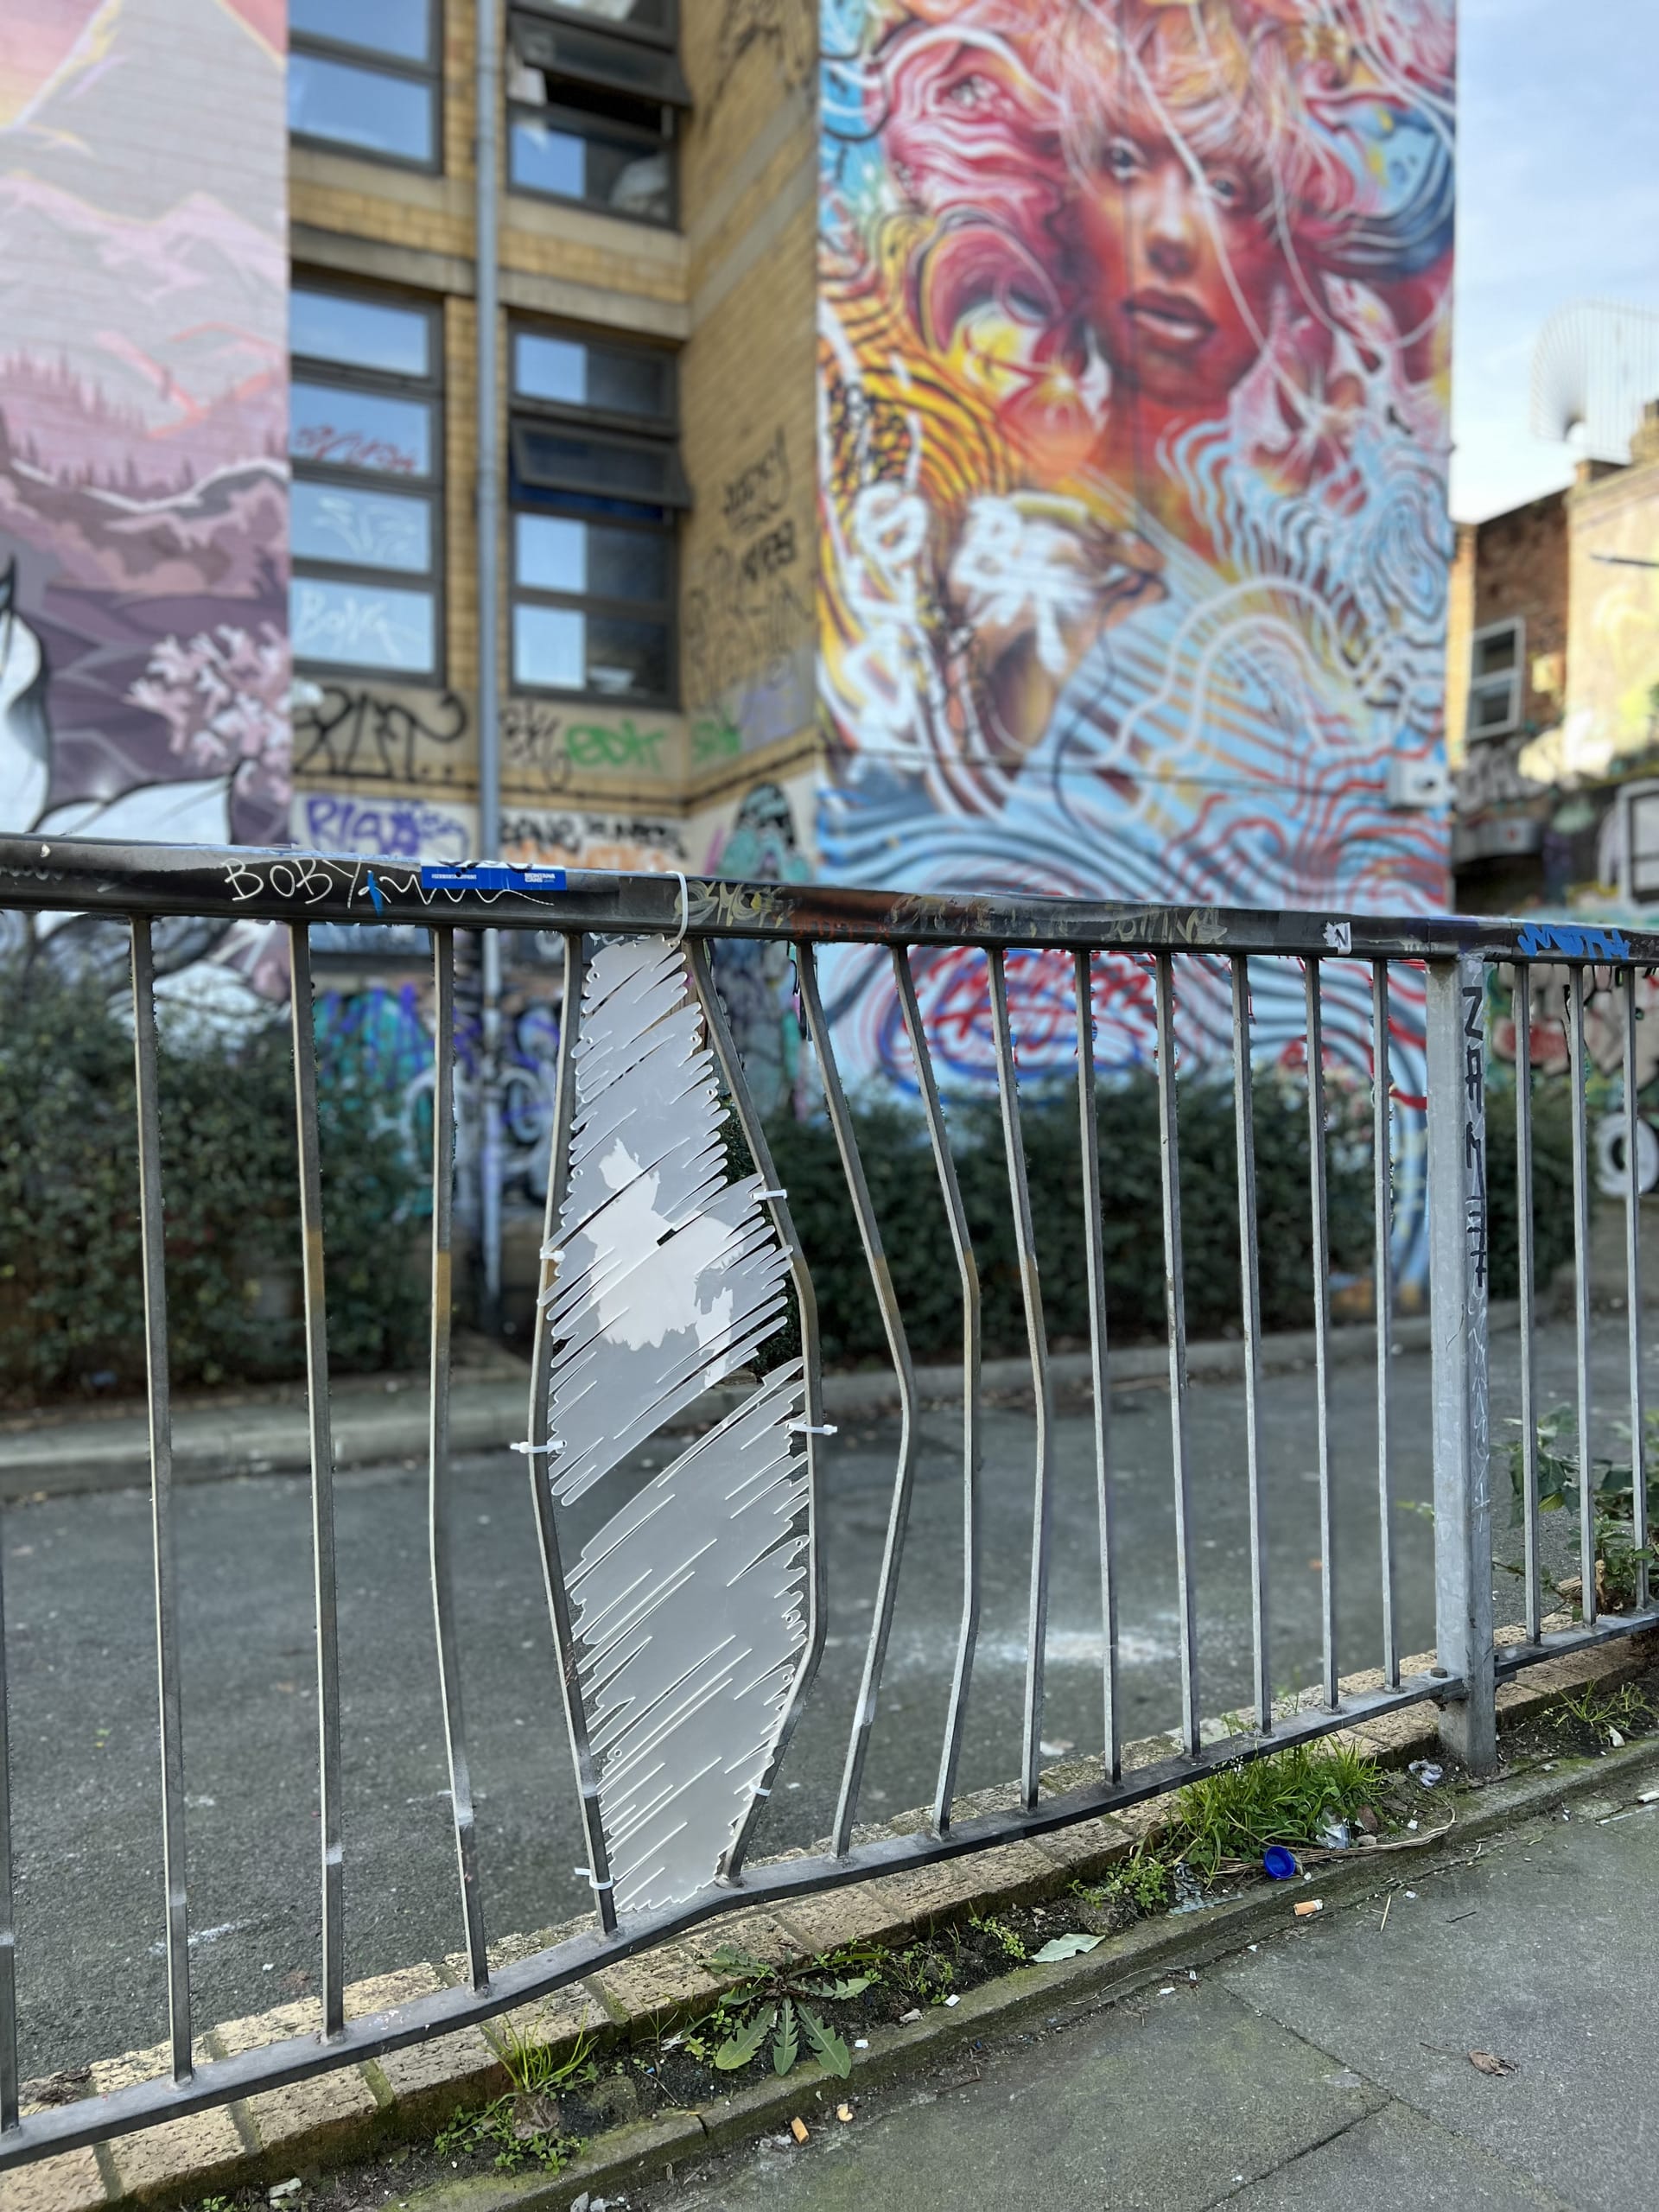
[1279,1863]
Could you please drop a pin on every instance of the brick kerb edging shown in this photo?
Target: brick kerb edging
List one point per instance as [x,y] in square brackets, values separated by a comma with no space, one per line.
[331,2119]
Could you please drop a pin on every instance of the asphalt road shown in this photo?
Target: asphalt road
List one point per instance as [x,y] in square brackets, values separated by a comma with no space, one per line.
[80,1634]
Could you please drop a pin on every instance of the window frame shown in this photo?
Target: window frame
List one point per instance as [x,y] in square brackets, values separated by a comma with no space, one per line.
[1630,795]
[374,59]
[562,115]
[312,368]
[1513,679]
[584,19]
[607,425]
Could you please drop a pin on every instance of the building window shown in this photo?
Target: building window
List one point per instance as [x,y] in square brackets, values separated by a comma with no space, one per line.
[362,74]
[594,88]
[1639,803]
[597,485]
[365,438]
[1497,658]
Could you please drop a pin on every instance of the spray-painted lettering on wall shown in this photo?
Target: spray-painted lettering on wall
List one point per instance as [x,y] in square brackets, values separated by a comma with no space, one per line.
[748,621]
[631,844]
[394,829]
[1134,351]
[544,747]
[348,730]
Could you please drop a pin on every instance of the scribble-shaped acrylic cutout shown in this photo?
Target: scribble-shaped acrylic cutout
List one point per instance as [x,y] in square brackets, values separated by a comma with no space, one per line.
[689,1601]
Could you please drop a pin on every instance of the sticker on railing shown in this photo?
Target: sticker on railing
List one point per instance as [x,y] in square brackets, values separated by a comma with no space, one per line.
[492,875]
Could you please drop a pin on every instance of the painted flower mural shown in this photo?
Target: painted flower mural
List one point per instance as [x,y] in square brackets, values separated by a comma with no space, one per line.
[1134,377]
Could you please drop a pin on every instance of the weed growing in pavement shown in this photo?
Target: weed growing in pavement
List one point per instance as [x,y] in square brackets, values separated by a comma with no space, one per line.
[918,1973]
[1289,1797]
[769,2006]
[1137,1887]
[525,2127]
[1001,1934]
[532,2066]
[1608,1715]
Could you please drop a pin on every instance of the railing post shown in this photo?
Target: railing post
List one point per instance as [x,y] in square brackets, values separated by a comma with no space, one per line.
[1459,1245]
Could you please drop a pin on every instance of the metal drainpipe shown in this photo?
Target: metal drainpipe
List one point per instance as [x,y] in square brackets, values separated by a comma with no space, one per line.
[487,160]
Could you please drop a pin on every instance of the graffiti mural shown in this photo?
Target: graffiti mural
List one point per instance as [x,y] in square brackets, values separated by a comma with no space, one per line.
[757,976]
[1133,404]
[380,1034]
[143,504]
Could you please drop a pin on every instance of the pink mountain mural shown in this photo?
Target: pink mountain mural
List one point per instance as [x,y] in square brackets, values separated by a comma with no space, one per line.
[143,490]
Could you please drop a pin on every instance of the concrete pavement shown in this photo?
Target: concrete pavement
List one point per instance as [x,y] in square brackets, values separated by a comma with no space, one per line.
[1325,2069]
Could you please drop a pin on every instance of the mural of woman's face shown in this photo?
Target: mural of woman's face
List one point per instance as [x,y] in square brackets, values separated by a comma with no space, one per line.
[1159,233]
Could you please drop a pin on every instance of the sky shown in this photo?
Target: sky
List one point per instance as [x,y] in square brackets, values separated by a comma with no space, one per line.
[1558,200]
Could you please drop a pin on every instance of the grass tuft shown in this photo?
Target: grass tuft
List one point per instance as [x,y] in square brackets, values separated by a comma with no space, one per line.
[1608,1715]
[1288,1797]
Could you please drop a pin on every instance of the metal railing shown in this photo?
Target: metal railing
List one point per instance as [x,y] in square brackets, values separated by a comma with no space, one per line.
[639,977]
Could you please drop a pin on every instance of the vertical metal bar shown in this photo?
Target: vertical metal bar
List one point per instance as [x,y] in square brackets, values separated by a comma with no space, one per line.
[152,1238]
[1175,1313]
[487,476]
[1250,1273]
[1458,1250]
[8,1909]
[1575,987]
[541,1444]
[1099,1367]
[886,1588]
[322,1479]
[1036,1337]
[1526,1259]
[806,1305]
[1633,1291]
[440,1531]
[967,1634]
[1321,1249]
[1383,1306]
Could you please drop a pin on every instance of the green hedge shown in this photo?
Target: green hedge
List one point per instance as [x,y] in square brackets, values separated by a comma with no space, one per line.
[71,1303]
[899,1167]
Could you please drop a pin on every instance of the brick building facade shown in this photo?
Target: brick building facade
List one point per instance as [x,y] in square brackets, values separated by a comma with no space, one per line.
[1554,698]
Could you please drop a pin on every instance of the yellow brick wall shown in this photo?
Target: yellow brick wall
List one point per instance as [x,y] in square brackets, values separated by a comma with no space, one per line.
[746,398]
[735,284]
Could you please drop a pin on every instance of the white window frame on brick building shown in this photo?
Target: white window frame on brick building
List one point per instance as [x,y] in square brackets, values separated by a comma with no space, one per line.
[365,443]
[596,490]
[363,79]
[594,103]
[1497,678]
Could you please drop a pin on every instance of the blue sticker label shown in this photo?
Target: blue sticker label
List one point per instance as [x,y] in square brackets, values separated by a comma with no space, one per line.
[492,875]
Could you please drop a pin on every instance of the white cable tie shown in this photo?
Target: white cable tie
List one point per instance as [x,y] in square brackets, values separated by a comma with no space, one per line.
[771,1194]
[809,1428]
[685,908]
[553,1443]
[588,1872]
[759,1792]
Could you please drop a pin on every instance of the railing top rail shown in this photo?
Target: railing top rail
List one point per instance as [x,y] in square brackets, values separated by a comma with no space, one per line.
[262,884]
